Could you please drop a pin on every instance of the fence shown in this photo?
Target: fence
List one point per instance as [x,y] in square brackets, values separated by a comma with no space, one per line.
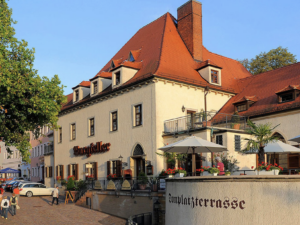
[140,219]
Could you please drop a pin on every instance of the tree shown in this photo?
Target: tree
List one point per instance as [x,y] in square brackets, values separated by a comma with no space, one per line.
[271,60]
[27,101]
[172,156]
[261,136]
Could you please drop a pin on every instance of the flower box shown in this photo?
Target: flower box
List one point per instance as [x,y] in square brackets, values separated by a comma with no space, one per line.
[205,173]
[264,172]
[170,176]
[179,175]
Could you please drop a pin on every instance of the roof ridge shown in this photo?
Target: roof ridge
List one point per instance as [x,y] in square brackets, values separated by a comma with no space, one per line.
[162,41]
[271,70]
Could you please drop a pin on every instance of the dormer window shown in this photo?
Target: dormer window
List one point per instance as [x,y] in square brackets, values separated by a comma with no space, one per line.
[77,95]
[95,87]
[131,59]
[118,77]
[214,76]
[241,108]
[289,93]
[112,65]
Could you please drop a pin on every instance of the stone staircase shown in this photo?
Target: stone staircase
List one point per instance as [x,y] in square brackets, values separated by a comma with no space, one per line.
[82,200]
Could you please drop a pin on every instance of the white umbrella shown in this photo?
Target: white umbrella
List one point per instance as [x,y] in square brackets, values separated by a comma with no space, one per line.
[280,147]
[296,139]
[193,145]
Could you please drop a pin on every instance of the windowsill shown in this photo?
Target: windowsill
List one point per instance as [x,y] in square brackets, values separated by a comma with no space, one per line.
[116,85]
[73,139]
[137,126]
[113,131]
[217,84]
[288,101]
[90,136]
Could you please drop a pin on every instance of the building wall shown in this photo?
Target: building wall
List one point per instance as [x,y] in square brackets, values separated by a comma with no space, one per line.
[14,162]
[170,97]
[251,200]
[49,161]
[122,141]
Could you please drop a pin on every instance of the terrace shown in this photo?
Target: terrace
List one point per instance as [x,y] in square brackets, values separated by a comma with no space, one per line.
[198,121]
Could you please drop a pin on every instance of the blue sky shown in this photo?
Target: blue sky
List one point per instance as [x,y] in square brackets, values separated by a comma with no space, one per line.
[75,39]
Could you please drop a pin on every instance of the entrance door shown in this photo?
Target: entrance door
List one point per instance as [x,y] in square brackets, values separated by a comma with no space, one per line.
[190,119]
[140,166]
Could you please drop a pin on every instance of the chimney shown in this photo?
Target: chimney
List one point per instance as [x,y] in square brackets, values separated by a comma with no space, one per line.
[189,20]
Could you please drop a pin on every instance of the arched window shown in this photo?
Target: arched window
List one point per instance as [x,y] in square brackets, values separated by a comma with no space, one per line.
[138,150]
[279,136]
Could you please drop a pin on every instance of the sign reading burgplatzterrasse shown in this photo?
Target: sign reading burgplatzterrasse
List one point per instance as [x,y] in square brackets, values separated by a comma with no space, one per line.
[195,202]
[88,150]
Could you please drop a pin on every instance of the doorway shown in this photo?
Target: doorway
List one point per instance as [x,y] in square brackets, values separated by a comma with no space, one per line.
[139,165]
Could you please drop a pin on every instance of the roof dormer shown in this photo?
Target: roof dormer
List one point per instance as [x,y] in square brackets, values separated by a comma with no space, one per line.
[244,103]
[81,91]
[133,55]
[289,93]
[210,72]
[100,82]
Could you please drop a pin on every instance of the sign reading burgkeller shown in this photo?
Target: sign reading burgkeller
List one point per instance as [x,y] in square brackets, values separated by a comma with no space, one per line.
[89,150]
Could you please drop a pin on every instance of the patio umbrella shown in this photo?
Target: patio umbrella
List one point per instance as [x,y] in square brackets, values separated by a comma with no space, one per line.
[193,145]
[9,170]
[295,139]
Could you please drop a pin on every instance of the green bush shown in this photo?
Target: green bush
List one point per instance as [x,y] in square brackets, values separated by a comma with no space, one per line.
[63,183]
[80,185]
[142,178]
[70,184]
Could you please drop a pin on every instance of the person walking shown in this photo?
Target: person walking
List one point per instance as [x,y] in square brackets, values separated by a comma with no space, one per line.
[4,207]
[55,195]
[13,203]
[17,193]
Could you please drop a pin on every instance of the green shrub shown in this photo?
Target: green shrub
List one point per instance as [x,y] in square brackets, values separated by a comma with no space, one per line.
[70,184]
[142,178]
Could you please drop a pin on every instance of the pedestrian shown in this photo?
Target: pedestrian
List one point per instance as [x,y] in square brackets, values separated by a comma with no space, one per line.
[13,203]
[2,190]
[17,192]
[4,207]
[55,195]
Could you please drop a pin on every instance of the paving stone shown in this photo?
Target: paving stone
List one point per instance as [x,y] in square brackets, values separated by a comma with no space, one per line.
[38,210]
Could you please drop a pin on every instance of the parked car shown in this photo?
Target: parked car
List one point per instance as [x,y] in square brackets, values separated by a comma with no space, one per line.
[32,189]
[17,183]
[9,185]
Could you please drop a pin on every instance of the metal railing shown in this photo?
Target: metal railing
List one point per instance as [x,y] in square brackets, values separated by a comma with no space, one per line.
[140,219]
[48,149]
[204,119]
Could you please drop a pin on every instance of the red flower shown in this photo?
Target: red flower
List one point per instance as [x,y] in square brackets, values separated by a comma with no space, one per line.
[276,164]
[252,167]
[213,165]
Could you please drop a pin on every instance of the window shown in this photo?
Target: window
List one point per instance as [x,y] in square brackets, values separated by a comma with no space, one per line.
[61,171]
[214,76]
[241,108]
[114,121]
[95,87]
[76,95]
[138,115]
[131,59]
[92,127]
[237,142]
[50,171]
[59,135]
[73,131]
[219,139]
[287,97]
[118,78]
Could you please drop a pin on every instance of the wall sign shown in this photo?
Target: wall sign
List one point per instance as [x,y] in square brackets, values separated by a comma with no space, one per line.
[88,150]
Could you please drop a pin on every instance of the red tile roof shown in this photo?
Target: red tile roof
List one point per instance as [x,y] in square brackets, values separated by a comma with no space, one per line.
[206,63]
[83,84]
[103,74]
[264,86]
[246,98]
[136,54]
[289,88]
[162,53]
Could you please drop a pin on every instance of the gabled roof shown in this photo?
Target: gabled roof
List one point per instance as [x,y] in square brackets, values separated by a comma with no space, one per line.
[289,88]
[164,54]
[83,84]
[246,98]
[136,54]
[264,86]
[206,63]
[102,74]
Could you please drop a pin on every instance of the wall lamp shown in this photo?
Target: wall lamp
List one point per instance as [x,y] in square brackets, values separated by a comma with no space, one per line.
[183,108]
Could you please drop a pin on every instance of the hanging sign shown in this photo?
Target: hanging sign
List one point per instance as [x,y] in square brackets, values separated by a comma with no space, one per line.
[88,150]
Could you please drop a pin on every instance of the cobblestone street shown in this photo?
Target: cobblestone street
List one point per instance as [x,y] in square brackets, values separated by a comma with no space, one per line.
[38,210]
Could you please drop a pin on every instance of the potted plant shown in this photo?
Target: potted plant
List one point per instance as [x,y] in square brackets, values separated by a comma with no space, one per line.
[154,183]
[276,168]
[203,170]
[90,177]
[235,121]
[227,173]
[179,172]
[71,186]
[214,171]
[297,171]
[111,176]
[204,120]
[268,169]
[142,180]
[170,172]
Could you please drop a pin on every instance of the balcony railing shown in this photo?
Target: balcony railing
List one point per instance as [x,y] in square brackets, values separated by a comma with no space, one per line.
[201,120]
[48,149]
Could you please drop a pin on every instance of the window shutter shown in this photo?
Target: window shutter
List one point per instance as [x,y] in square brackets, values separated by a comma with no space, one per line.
[143,164]
[57,171]
[96,170]
[237,142]
[46,172]
[108,167]
[76,170]
[63,172]
[50,171]
[69,170]
[119,168]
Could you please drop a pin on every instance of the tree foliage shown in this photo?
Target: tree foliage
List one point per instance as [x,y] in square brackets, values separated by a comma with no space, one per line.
[27,101]
[261,135]
[267,61]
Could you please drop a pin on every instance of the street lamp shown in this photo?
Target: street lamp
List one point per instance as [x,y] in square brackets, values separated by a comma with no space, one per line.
[121,157]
